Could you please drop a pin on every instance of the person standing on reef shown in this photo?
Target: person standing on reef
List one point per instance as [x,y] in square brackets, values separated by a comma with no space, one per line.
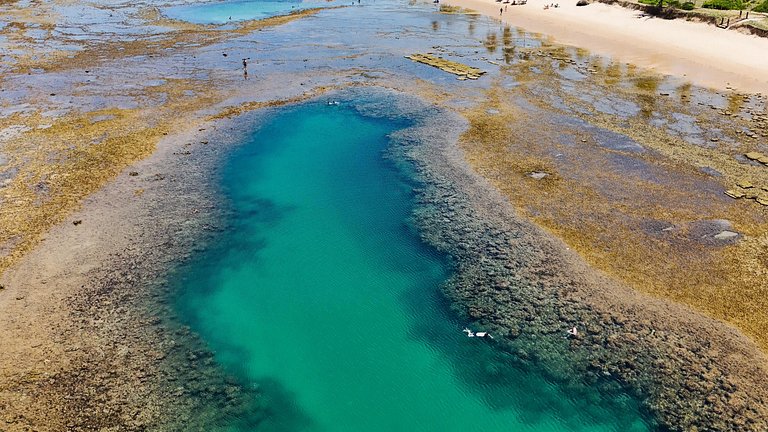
[245,67]
[501,11]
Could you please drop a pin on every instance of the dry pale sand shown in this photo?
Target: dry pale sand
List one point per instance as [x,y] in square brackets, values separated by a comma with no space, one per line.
[704,54]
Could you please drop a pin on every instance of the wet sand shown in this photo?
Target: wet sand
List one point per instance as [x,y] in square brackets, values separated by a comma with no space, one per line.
[85,306]
[703,54]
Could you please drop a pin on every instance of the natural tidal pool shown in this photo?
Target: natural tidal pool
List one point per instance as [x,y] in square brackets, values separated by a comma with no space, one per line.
[321,294]
[224,12]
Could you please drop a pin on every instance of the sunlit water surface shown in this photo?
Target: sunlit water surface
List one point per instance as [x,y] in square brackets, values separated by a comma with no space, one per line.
[233,11]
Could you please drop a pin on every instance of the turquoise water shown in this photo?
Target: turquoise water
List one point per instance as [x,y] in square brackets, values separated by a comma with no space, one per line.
[321,293]
[224,12]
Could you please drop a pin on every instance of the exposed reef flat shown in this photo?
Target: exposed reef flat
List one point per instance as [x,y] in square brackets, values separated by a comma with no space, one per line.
[636,181]
[109,355]
[515,279]
[652,155]
[69,142]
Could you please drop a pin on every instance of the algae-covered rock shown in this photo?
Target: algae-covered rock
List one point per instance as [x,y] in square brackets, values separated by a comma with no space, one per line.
[762,199]
[452,67]
[736,194]
[447,9]
[751,193]
[745,184]
[757,156]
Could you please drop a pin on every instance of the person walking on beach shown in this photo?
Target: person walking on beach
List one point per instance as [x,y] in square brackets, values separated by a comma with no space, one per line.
[501,11]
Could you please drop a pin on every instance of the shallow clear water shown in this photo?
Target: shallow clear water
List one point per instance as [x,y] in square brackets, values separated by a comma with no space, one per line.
[322,294]
[224,12]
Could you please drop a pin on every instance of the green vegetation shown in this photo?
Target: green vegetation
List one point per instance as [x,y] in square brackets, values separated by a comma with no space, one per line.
[451,9]
[709,4]
[724,4]
[762,24]
[762,7]
[670,3]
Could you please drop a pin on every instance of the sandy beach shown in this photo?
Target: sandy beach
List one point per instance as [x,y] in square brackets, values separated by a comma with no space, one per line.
[703,54]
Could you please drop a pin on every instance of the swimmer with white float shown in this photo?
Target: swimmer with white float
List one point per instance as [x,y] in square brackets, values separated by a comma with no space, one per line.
[470,333]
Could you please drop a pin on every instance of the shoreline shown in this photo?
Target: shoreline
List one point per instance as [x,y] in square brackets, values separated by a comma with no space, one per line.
[702,54]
